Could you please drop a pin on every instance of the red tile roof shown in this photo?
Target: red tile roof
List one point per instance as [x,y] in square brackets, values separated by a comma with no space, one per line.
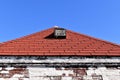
[75,44]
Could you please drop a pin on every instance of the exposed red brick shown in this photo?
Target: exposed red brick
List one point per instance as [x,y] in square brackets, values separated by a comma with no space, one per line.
[14,71]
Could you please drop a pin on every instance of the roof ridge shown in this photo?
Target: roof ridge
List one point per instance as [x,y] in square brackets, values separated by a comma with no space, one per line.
[85,35]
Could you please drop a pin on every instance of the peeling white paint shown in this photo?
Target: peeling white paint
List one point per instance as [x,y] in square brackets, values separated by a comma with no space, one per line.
[36,73]
[48,72]
[107,74]
[4,72]
[9,68]
[18,75]
[52,73]
[59,60]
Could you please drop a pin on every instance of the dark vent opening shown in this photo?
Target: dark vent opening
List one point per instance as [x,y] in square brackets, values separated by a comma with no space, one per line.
[59,33]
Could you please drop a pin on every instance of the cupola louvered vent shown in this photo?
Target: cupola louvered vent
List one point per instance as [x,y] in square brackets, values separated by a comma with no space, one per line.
[60,33]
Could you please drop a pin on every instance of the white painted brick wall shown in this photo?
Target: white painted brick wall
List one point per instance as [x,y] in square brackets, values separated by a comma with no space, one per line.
[37,73]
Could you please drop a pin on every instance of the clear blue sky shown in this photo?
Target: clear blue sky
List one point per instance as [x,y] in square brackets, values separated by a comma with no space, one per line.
[97,18]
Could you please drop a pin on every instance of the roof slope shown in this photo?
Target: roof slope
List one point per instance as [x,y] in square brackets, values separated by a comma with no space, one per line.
[74,44]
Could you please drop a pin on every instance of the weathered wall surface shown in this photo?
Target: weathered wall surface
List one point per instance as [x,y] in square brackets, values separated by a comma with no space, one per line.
[46,73]
[59,68]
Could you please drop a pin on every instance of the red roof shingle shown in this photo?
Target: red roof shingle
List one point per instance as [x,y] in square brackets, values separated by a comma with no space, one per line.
[75,44]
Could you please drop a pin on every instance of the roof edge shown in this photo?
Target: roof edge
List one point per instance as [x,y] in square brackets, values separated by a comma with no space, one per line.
[108,42]
[10,41]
